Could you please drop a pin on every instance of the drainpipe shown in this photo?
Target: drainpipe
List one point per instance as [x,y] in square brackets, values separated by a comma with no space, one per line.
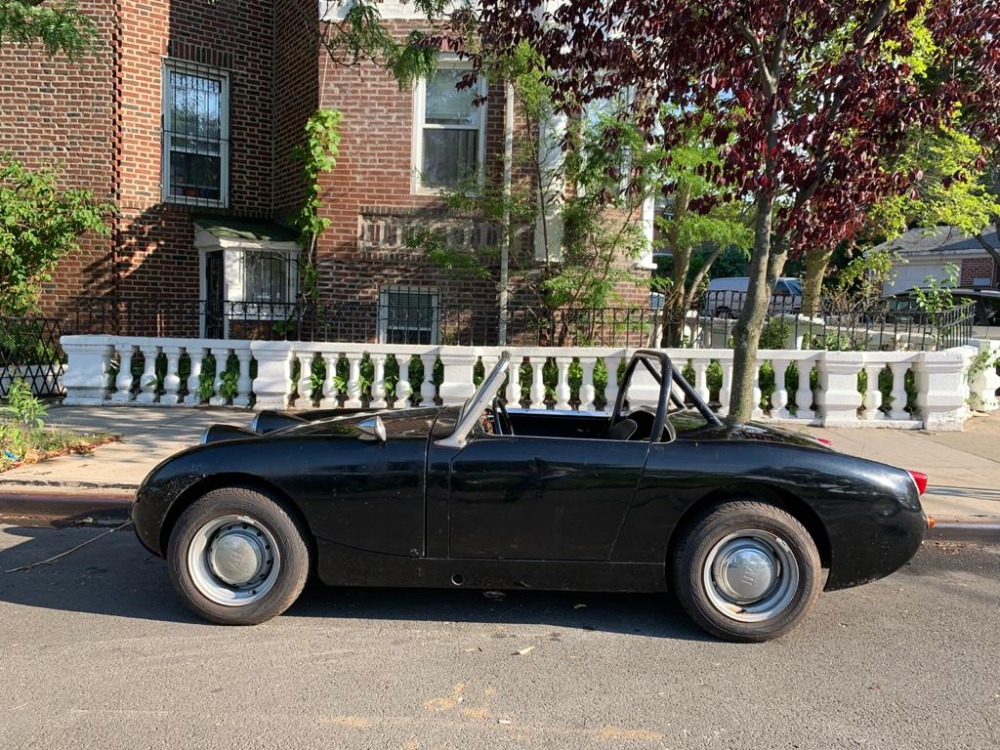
[508,159]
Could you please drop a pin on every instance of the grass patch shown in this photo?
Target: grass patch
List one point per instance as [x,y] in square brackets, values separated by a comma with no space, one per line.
[24,438]
[39,443]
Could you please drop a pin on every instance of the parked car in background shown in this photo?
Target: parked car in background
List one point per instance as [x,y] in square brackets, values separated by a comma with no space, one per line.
[906,308]
[740,521]
[725,296]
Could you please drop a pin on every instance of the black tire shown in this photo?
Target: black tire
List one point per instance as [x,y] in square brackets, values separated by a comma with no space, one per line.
[241,532]
[746,571]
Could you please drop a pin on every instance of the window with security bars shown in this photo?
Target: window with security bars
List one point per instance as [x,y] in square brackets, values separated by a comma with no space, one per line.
[450,138]
[266,277]
[408,316]
[195,134]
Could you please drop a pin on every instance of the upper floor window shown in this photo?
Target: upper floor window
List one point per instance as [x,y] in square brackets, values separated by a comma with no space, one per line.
[449,139]
[195,134]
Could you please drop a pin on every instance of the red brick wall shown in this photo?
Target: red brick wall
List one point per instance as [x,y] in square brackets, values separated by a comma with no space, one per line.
[57,112]
[978,268]
[157,251]
[297,65]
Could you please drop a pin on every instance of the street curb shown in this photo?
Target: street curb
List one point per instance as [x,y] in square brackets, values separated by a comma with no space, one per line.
[33,509]
[964,531]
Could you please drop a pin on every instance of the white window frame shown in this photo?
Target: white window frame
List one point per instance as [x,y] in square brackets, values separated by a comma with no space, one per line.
[188,68]
[419,115]
[383,311]
[234,254]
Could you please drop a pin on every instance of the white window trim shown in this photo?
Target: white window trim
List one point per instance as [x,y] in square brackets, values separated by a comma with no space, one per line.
[419,113]
[234,283]
[383,310]
[208,72]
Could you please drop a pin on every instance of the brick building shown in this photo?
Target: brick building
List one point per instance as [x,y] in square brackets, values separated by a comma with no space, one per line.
[186,119]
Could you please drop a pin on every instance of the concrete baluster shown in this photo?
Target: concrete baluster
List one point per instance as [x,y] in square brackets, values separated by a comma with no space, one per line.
[353,400]
[587,390]
[330,396]
[537,392]
[804,393]
[563,392]
[897,408]
[779,399]
[403,388]
[427,389]
[123,383]
[172,380]
[244,385]
[378,382]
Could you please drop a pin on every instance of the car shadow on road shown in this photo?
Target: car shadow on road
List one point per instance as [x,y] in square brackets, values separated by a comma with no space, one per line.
[649,615]
[116,576]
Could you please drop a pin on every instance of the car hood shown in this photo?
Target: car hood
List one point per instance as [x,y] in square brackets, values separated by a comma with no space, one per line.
[406,424]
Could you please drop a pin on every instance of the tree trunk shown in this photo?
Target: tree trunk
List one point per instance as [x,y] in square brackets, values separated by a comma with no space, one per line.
[812,286]
[765,265]
[675,304]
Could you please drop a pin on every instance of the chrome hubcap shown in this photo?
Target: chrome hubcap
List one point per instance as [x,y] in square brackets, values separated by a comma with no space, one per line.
[237,555]
[751,575]
[233,560]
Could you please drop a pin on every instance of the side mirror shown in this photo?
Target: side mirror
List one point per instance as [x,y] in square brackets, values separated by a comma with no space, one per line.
[373,429]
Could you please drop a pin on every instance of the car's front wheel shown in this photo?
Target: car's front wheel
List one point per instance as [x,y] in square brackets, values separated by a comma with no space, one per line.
[236,557]
[746,571]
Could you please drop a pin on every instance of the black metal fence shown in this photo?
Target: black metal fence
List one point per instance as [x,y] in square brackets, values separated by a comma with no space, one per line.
[420,318]
[402,320]
[30,351]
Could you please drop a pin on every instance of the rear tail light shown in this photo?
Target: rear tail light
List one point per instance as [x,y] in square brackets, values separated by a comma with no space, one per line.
[919,479]
[824,441]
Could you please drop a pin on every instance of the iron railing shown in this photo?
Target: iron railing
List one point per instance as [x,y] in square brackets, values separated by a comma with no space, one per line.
[30,350]
[417,320]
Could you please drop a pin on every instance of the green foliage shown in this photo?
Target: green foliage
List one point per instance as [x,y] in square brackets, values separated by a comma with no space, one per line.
[22,407]
[318,156]
[39,224]
[935,297]
[360,36]
[60,28]
[775,333]
[951,186]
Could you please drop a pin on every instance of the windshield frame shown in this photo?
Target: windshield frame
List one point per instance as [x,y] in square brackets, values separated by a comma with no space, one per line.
[476,403]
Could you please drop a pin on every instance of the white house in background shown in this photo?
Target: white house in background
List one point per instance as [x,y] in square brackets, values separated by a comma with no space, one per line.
[924,253]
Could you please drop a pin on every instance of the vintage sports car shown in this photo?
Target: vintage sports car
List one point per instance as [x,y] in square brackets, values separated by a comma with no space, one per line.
[739,521]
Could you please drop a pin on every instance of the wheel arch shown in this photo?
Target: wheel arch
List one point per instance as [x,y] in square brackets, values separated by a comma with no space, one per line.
[777,496]
[233,479]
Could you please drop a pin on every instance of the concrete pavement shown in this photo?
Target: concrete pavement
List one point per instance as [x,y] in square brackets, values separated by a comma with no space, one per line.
[964,467]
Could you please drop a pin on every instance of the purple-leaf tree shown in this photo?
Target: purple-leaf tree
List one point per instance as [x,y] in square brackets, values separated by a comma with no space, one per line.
[809,100]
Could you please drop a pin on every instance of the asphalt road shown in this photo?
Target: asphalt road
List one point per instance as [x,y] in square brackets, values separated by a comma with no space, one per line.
[96,652]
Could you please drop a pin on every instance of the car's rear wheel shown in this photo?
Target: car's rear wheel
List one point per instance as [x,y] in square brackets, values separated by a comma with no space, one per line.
[746,571]
[236,557]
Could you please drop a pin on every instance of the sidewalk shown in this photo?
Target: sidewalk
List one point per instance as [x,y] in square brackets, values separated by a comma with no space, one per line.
[963,467]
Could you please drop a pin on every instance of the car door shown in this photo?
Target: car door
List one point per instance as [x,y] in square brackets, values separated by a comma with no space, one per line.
[540,498]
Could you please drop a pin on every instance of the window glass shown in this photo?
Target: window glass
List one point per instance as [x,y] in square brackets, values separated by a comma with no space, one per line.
[446,104]
[194,134]
[450,134]
[266,277]
[408,316]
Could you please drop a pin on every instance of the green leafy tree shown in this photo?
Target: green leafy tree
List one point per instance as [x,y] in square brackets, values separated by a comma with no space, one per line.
[696,239]
[60,27]
[39,224]
[810,102]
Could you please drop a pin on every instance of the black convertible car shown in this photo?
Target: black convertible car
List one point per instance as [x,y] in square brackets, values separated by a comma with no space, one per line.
[738,520]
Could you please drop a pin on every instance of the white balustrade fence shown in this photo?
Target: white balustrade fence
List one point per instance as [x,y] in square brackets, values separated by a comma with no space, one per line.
[934,390]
